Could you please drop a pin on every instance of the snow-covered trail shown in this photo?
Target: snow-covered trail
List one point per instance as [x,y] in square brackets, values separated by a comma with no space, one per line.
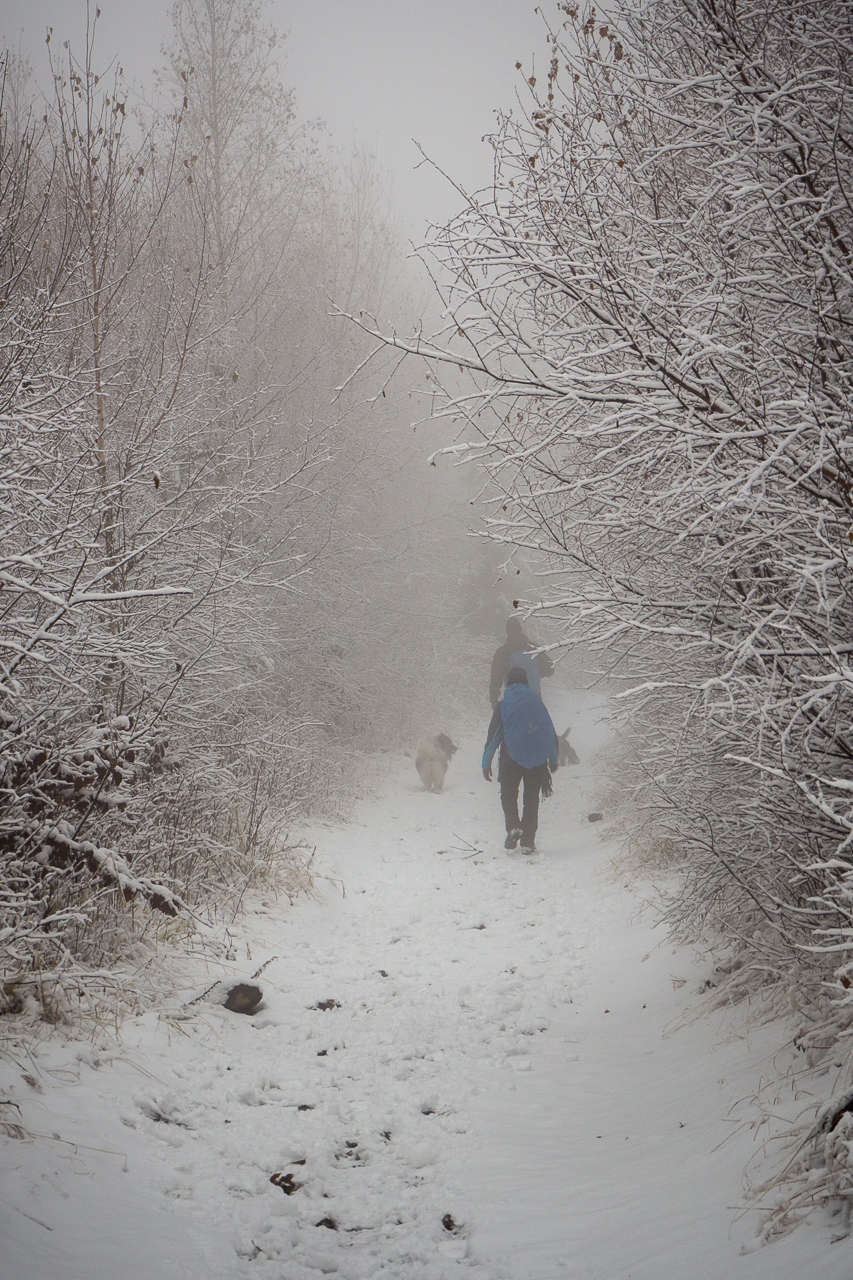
[496,1087]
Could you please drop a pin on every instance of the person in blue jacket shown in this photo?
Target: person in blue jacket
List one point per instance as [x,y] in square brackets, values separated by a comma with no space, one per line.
[523,730]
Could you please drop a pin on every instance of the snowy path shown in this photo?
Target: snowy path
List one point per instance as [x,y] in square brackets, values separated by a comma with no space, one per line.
[498,1089]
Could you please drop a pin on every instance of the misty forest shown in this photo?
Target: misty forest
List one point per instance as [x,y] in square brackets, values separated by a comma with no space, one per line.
[274,486]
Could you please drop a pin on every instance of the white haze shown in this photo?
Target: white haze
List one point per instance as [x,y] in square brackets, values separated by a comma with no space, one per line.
[385,73]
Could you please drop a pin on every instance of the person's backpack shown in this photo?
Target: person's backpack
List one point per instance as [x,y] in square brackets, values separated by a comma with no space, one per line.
[529,665]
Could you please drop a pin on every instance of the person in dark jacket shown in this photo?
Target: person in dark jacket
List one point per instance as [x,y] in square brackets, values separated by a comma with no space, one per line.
[515,651]
[524,733]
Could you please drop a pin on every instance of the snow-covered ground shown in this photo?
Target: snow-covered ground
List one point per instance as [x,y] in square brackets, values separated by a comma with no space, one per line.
[503,1084]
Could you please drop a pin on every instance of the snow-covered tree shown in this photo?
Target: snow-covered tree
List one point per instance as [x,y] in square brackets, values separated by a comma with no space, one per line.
[207,588]
[297,229]
[69,630]
[137,547]
[654,306]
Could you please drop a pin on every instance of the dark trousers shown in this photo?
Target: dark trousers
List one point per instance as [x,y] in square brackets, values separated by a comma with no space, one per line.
[511,776]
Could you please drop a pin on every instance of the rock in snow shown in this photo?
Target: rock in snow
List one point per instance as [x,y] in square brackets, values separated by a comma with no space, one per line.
[243,998]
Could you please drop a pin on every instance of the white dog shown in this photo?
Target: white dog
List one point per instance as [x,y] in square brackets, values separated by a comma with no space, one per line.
[432,760]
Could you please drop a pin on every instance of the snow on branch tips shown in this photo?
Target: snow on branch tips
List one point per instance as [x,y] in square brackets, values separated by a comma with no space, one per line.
[655,299]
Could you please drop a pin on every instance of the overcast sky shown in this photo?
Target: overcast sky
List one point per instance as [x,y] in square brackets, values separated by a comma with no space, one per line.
[389,71]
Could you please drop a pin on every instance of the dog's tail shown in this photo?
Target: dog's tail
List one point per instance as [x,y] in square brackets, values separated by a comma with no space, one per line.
[566,750]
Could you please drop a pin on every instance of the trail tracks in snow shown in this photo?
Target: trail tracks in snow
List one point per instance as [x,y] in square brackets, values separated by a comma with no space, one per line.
[461,1067]
[331,1132]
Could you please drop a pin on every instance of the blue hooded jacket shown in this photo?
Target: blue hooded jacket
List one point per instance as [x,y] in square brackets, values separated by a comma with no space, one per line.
[526,729]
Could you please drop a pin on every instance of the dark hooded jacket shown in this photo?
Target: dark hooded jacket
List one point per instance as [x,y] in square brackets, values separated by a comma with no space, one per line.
[517,642]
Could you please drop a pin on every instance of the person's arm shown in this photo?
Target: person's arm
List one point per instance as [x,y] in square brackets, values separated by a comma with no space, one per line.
[497,675]
[494,738]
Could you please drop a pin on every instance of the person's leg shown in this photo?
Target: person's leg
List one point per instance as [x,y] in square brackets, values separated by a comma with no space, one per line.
[509,777]
[530,815]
